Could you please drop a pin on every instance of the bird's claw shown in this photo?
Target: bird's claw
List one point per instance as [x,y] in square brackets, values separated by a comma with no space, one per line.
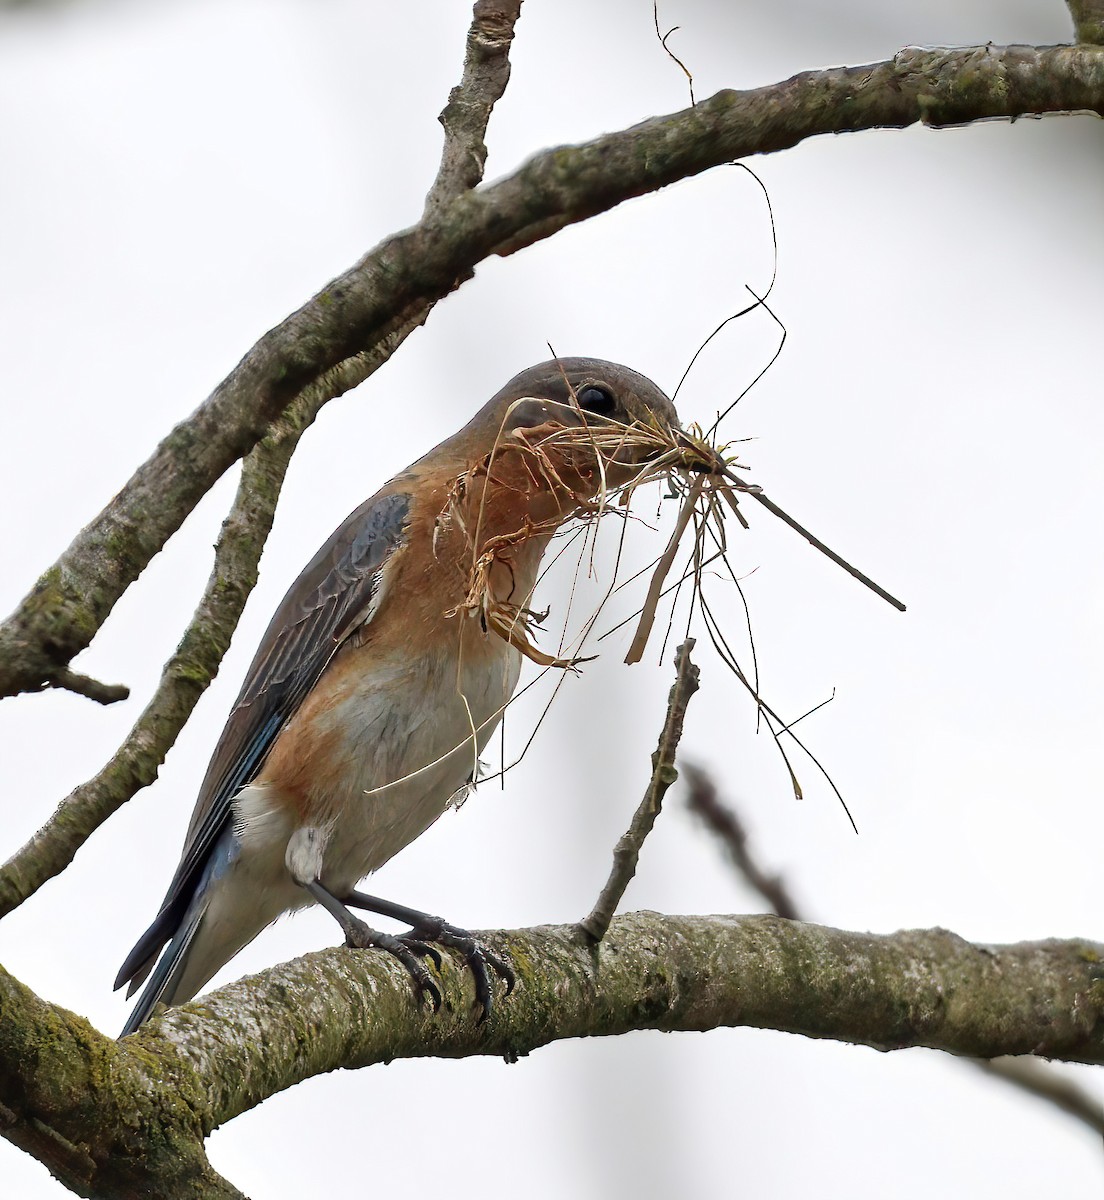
[408,950]
[422,949]
[477,957]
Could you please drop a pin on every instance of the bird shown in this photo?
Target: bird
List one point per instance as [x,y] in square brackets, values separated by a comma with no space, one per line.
[379,680]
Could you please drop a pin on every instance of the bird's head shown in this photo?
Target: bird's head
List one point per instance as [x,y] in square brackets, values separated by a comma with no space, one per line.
[573,412]
[574,391]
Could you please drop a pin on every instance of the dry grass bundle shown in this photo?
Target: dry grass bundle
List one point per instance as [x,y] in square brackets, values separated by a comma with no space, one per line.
[596,467]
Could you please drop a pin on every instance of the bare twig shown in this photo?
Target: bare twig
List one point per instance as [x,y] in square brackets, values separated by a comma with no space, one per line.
[813,540]
[394,284]
[670,53]
[655,587]
[627,851]
[1027,1074]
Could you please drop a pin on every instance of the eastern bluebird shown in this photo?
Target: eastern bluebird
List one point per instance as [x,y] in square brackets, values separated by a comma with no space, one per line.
[380,679]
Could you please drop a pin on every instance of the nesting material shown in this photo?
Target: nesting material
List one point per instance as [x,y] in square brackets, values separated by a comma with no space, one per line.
[590,469]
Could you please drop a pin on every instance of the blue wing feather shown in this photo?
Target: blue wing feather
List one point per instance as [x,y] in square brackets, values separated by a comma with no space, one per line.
[329,600]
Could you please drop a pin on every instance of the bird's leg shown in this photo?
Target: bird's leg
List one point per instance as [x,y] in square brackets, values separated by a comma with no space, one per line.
[427,928]
[304,861]
[363,937]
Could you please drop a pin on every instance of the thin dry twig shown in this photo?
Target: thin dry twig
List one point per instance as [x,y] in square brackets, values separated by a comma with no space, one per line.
[655,588]
[695,468]
[670,53]
[686,454]
[813,540]
[697,471]
[1028,1074]
[626,854]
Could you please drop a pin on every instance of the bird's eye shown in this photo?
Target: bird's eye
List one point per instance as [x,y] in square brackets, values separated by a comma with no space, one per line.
[597,400]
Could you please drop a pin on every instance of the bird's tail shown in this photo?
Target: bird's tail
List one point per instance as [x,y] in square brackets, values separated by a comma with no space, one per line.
[164,977]
[225,912]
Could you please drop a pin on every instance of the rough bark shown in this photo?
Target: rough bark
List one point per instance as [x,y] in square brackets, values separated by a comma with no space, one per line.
[111,1118]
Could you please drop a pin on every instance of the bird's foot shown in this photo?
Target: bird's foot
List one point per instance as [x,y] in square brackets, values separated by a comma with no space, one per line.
[426,928]
[409,950]
[478,956]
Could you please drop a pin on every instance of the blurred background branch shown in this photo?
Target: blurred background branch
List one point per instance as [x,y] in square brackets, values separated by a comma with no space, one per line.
[722,821]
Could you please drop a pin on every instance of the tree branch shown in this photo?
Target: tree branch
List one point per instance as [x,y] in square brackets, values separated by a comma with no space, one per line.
[337,1008]
[411,271]
[189,672]
[93,689]
[626,853]
[104,1121]
[1088,20]
[1031,1076]
[465,117]
[101,1114]
[702,800]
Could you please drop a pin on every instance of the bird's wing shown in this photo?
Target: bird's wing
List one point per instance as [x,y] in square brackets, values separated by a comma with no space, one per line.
[334,596]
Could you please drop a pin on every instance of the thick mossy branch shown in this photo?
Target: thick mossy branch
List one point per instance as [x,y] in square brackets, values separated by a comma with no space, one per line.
[105,1120]
[1088,20]
[111,1118]
[414,269]
[929,988]
[1038,1078]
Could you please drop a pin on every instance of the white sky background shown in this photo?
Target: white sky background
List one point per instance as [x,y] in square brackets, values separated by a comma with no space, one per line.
[178,177]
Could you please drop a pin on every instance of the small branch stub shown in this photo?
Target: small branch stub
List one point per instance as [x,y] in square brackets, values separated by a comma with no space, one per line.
[1037,1078]
[1088,21]
[93,689]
